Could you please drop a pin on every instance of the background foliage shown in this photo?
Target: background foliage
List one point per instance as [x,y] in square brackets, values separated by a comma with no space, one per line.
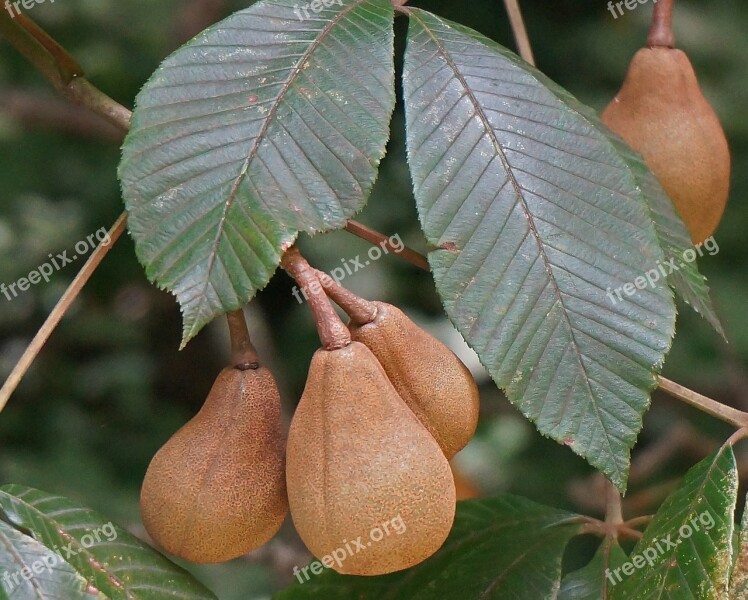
[110,386]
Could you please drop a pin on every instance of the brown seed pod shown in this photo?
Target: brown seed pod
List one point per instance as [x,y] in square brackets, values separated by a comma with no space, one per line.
[216,489]
[661,113]
[358,458]
[432,380]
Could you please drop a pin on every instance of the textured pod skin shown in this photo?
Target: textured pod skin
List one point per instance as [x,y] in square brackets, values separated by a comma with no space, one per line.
[661,113]
[357,458]
[434,383]
[216,489]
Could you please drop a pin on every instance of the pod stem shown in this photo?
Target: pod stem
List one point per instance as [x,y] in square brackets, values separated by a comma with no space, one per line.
[661,32]
[243,353]
[332,331]
[360,310]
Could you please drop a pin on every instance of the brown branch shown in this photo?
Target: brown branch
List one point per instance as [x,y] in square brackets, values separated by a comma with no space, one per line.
[67,67]
[613,509]
[377,239]
[730,415]
[62,306]
[520,31]
[59,68]
[332,331]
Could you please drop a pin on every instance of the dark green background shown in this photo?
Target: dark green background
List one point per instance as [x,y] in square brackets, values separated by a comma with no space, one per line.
[110,386]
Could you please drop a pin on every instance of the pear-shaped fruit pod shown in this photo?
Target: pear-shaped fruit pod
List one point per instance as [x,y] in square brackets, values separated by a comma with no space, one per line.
[661,113]
[370,490]
[216,489]
[432,380]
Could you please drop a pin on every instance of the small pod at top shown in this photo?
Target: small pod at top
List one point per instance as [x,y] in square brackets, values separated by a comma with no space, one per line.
[432,380]
[661,113]
[216,490]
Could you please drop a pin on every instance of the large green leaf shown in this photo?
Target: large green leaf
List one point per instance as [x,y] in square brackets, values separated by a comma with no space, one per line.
[499,548]
[112,560]
[536,219]
[29,570]
[593,582]
[262,126]
[686,551]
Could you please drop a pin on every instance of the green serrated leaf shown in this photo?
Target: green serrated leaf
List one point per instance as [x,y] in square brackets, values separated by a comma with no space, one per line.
[680,254]
[108,557]
[686,551]
[739,576]
[503,547]
[30,570]
[593,582]
[536,219]
[263,126]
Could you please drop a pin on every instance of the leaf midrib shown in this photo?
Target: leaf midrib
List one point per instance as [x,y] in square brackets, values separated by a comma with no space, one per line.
[261,136]
[518,190]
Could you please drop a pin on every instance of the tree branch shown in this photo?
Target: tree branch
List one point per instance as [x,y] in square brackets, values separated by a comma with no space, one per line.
[730,415]
[520,31]
[378,239]
[59,68]
[62,306]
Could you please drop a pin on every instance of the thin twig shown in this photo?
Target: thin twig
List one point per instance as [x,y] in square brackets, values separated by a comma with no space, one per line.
[59,68]
[379,239]
[735,417]
[639,521]
[59,311]
[243,353]
[613,508]
[68,67]
[520,31]
[740,434]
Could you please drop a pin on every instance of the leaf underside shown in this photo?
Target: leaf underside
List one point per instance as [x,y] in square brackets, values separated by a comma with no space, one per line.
[261,127]
[535,217]
[108,558]
[593,582]
[32,571]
